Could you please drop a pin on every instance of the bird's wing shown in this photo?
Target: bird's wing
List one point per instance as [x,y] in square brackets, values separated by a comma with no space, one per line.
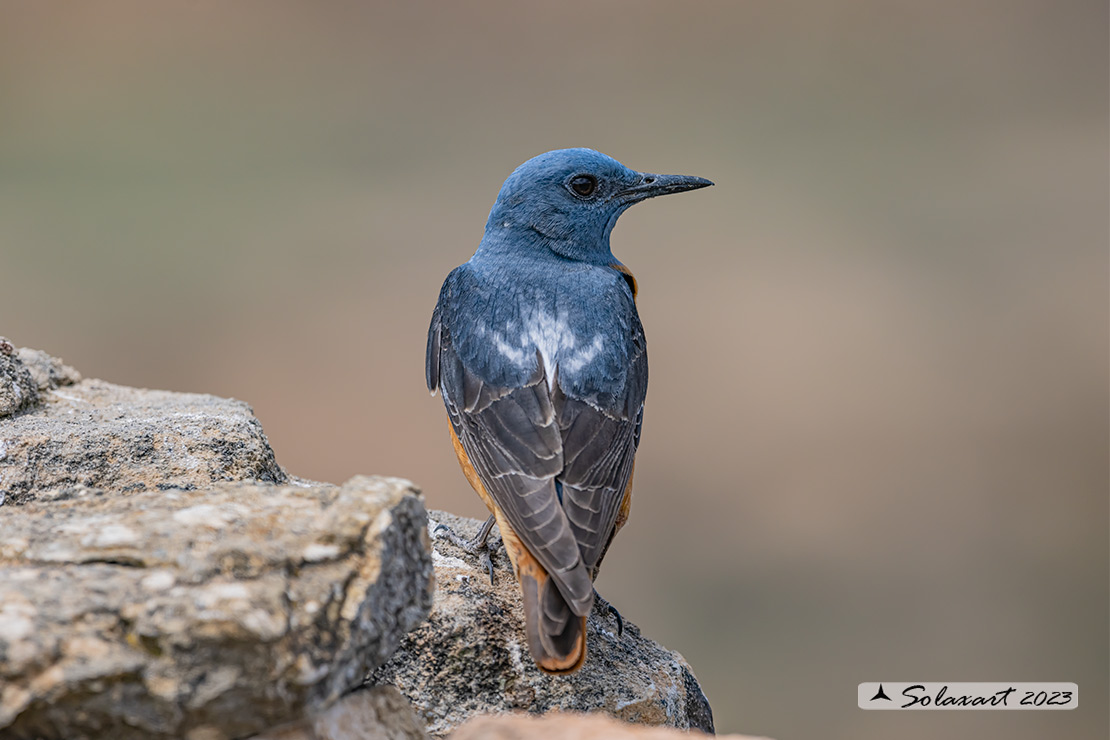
[600,435]
[512,439]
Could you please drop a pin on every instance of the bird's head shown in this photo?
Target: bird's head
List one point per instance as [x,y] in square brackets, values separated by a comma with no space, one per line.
[568,201]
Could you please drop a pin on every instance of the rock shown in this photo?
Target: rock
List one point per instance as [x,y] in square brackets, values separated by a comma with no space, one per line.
[18,390]
[200,614]
[470,657]
[378,713]
[48,372]
[157,580]
[560,726]
[99,435]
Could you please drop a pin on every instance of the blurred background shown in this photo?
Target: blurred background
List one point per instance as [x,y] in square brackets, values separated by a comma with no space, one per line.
[876,442]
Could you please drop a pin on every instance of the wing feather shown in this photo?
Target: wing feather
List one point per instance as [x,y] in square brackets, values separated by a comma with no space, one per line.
[511,437]
[599,447]
[431,356]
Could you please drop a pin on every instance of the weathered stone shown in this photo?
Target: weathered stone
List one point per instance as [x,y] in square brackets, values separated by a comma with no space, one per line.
[211,613]
[566,726]
[18,390]
[377,713]
[96,434]
[470,657]
[142,597]
[48,372]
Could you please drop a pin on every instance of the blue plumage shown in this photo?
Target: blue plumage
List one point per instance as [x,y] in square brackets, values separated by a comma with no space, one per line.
[538,351]
[579,319]
[537,210]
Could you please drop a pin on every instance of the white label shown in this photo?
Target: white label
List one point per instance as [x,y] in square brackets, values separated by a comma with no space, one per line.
[954,695]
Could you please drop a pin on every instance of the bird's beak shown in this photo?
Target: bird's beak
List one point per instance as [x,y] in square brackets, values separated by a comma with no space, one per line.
[651,185]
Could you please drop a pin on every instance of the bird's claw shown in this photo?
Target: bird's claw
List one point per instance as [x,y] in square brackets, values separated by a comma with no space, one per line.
[479,545]
[485,557]
[605,606]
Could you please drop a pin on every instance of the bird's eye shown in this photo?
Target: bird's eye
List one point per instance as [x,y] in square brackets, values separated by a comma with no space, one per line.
[583,185]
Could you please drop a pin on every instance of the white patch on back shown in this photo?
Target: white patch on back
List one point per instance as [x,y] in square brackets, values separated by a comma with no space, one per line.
[515,355]
[584,356]
[552,337]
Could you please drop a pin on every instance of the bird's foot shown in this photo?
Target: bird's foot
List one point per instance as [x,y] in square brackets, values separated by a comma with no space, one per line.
[606,608]
[479,545]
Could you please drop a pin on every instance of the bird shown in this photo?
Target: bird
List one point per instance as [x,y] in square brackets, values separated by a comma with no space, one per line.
[538,353]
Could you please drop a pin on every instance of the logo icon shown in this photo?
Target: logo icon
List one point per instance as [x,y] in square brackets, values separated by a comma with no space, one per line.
[880,694]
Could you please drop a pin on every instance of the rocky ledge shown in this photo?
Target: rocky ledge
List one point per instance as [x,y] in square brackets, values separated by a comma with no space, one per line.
[222,611]
[64,431]
[469,658]
[161,576]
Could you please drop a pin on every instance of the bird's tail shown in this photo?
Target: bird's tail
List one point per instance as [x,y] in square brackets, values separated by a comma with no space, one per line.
[556,636]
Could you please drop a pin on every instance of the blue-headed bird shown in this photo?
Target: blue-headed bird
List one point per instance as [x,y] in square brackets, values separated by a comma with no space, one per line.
[537,349]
